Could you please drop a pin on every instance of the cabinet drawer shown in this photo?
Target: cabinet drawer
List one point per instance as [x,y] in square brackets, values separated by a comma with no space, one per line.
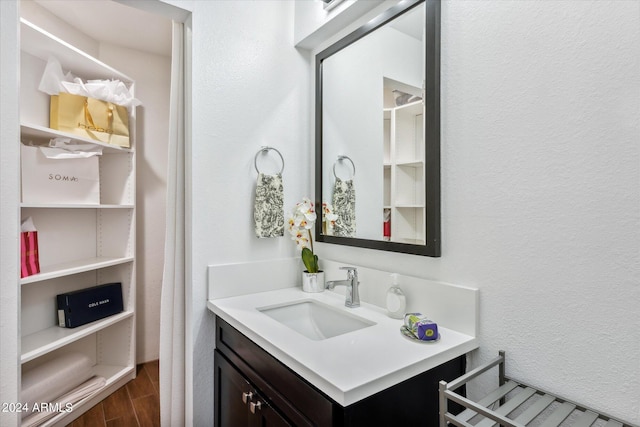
[298,400]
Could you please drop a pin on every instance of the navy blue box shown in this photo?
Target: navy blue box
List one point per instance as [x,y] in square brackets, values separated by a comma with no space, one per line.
[87,305]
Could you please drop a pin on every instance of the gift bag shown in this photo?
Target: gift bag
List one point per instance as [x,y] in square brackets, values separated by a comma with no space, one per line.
[90,118]
[29,260]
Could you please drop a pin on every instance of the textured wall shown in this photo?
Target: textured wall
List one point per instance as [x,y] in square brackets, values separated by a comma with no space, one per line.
[540,190]
[250,88]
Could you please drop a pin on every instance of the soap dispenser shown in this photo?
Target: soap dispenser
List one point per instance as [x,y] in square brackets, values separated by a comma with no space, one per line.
[396,301]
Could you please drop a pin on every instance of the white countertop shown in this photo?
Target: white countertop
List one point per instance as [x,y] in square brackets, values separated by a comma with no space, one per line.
[347,367]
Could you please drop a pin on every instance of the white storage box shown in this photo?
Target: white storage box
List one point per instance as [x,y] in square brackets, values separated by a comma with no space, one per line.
[59,181]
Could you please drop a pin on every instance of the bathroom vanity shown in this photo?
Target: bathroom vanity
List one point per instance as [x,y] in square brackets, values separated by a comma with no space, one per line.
[252,386]
[270,374]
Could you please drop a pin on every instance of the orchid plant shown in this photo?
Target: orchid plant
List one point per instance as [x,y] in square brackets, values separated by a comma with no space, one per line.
[301,222]
[328,219]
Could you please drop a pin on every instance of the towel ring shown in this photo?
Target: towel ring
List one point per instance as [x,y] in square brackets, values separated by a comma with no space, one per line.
[264,149]
[341,158]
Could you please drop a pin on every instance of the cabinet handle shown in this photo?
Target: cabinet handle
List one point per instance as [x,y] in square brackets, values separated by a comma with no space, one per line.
[255,405]
[246,396]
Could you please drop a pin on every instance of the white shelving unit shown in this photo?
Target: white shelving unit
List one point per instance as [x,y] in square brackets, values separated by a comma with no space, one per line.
[79,245]
[404,170]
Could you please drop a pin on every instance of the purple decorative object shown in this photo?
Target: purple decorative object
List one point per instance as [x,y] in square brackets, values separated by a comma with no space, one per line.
[427,330]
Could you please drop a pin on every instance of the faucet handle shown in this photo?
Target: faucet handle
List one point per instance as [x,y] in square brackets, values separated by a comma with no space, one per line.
[351,271]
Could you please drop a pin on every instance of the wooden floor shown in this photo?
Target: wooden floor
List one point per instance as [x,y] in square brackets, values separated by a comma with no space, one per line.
[136,404]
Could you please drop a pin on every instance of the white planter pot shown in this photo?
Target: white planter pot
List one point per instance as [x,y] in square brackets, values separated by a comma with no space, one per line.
[313,282]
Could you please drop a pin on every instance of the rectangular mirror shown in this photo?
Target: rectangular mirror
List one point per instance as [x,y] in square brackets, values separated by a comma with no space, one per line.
[378,133]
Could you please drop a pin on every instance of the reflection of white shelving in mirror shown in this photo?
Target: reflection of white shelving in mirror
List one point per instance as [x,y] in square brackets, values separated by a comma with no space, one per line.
[408,225]
[404,168]
[387,136]
[386,200]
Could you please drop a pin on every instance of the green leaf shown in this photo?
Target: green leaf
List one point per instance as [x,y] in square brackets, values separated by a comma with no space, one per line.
[310,260]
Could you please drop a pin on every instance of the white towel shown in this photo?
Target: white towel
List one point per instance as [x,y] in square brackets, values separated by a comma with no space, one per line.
[344,206]
[63,403]
[46,382]
[268,211]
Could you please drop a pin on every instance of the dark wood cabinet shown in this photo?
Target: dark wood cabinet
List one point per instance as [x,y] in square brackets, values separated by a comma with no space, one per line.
[285,398]
[238,403]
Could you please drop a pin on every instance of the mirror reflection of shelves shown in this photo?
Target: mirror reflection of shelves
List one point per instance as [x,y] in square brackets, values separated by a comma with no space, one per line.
[404,162]
[80,245]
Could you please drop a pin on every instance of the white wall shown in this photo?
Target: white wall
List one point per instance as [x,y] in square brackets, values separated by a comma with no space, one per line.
[250,88]
[9,214]
[540,191]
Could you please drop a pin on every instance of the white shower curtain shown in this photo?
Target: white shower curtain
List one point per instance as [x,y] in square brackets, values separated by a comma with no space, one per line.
[172,305]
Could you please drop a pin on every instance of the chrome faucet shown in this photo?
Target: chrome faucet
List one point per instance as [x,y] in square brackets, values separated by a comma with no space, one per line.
[352,283]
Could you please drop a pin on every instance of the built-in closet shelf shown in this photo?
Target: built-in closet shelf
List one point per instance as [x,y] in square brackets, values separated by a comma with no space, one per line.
[79,245]
[41,135]
[413,108]
[39,43]
[112,374]
[411,163]
[74,267]
[410,241]
[50,339]
[72,206]
[404,166]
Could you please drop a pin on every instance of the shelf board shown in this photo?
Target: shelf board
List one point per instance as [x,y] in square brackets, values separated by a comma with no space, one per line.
[413,108]
[409,206]
[407,240]
[42,133]
[47,340]
[411,163]
[74,267]
[41,44]
[72,206]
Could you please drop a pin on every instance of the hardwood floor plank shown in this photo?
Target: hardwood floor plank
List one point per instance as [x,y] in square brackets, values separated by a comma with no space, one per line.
[147,410]
[141,386]
[153,370]
[129,420]
[118,404]
[94,417]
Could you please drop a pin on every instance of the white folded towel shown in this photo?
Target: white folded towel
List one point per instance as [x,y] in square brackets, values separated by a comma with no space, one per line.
[63,403]
[46,382]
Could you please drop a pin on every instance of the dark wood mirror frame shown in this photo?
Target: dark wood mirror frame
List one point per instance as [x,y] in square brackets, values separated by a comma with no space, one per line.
[432,247]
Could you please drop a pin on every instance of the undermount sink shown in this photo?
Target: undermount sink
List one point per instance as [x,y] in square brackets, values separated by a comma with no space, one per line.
[315,320]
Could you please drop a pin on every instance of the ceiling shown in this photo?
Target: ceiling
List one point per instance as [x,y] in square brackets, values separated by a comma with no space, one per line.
[112,22]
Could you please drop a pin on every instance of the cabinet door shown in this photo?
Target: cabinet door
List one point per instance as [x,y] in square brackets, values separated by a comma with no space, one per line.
[238,403]
[263,415]
[231,395]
